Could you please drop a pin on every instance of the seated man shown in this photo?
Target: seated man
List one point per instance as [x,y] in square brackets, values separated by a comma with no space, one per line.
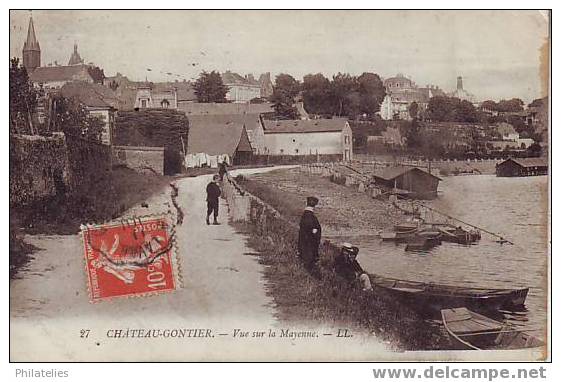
[348,267]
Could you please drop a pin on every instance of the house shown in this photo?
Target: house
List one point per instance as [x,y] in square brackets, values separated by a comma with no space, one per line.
[252,123]
[241,89]
[309,137]
[225,108]
[507,132]
[413,181]
[266,85]
[401,92]
[99,101]
[55,77]
[522,167]
[217,139]
[155,96]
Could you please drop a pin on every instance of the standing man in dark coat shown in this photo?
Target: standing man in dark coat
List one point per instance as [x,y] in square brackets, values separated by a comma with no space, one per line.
[212,194]
[309,237]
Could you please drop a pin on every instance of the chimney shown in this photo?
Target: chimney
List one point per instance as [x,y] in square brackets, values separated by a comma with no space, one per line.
[459,83]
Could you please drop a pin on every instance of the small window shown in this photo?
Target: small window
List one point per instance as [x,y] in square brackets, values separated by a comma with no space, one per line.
[294,140]
[143,103]
[296,151]
[281,151]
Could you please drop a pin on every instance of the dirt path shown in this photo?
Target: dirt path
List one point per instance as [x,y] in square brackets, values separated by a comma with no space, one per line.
[223,290]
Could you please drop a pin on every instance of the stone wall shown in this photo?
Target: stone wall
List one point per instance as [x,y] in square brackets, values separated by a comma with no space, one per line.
[45,167]
[90,163]
[143,159]
[38,168]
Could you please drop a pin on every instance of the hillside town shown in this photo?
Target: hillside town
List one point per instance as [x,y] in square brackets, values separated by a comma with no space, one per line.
[378,154]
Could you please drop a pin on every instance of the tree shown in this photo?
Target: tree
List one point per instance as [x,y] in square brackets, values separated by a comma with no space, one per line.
[342,86]
[372,92]
[72,118]
[465,112]
[511,105]
[23,99]
[489,105]
[412,133]
[451,109]
[441,109]
[210,88]
[285,91]
[315,94]
[414,110]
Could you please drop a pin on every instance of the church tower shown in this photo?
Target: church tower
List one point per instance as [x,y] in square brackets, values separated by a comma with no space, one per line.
[75,58]
[31,49]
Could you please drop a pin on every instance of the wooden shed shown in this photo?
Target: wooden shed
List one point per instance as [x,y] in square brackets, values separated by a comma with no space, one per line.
[411,181]
[513,167]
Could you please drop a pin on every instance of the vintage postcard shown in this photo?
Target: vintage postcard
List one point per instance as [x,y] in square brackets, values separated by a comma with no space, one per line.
[284,185]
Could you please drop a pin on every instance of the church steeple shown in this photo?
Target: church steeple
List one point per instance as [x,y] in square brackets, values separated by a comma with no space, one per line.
[31,49]
[75,58]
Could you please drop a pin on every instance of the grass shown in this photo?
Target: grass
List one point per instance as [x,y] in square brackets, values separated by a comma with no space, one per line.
[332,301]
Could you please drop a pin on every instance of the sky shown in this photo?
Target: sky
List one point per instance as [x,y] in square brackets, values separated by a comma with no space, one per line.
[496,52]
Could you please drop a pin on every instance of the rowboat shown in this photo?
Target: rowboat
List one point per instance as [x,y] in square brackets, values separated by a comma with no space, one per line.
[459,235]
[472,331]
[406,226]
[430,296]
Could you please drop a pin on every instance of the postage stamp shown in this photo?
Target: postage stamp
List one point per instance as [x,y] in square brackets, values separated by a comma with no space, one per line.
[133,257]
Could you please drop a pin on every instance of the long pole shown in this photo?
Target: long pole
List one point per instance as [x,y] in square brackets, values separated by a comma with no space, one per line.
[454,218]
[464,222]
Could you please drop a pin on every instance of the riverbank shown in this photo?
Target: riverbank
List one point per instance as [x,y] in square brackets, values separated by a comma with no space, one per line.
[300,298]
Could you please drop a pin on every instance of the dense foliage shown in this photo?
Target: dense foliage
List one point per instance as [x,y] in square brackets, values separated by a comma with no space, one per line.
[210,88]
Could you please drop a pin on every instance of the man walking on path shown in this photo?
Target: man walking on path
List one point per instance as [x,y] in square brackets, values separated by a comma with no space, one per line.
[212,194]
[309,237]
[222,169]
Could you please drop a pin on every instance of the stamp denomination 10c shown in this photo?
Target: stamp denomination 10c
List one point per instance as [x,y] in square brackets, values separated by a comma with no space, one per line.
[133,257]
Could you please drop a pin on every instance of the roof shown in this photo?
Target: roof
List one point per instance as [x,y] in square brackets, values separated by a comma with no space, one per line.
[91,95]
[31,43]
[215,138]
[305,126]
[59,73]
[196,108]
[390,173]
[250,121]
[528,162]
[231,78]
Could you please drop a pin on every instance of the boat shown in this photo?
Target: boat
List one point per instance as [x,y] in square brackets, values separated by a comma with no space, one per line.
[431,296]
[403,235]
[459,235]
[406,226]
[473,331]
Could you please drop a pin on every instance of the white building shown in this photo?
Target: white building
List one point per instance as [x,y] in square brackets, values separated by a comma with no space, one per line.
[150,96]
[241,89]
[98,100]
[309,137]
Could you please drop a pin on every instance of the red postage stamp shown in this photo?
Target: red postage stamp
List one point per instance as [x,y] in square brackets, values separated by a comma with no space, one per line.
[133,257]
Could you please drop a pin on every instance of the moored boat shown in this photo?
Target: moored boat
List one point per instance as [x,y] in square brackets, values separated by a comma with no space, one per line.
[473,331]
[430,296]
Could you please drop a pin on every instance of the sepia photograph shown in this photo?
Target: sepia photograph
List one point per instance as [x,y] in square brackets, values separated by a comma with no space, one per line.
[279,186]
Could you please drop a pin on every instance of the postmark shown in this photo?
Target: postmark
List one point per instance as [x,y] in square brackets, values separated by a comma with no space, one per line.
[132,257]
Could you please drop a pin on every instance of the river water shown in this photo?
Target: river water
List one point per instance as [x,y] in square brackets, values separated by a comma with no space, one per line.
[516,208]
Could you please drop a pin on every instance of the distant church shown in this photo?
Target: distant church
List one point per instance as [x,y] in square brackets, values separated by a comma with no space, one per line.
[31,49]
[55,76]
